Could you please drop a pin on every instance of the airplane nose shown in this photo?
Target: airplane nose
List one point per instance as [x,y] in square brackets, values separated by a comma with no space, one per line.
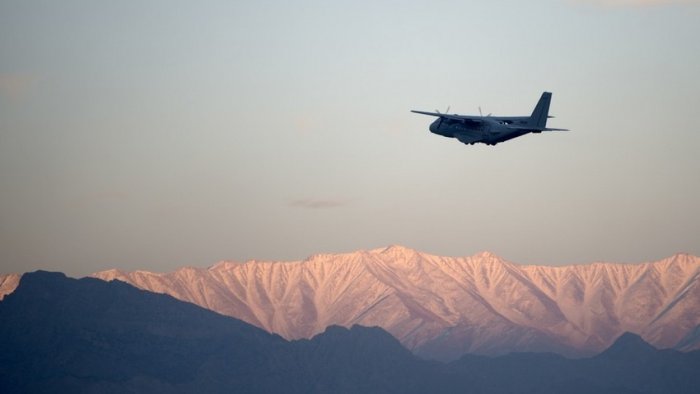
[434,126]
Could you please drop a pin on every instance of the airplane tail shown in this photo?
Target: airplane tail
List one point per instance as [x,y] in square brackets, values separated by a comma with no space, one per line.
[539,116]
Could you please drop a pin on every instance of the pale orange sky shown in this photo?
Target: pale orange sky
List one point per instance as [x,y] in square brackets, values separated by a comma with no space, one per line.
[159,134]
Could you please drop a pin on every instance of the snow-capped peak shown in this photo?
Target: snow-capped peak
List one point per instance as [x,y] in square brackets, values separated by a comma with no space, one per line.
[444,306]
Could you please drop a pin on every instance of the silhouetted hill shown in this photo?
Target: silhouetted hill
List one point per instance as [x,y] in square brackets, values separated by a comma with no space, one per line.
[629,347]
[66,335]
[644,368]
[630,365]
[363,359]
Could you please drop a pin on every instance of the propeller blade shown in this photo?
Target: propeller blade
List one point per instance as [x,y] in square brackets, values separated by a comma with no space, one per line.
[446,111]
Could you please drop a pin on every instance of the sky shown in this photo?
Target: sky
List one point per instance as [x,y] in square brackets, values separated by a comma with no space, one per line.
[159,134]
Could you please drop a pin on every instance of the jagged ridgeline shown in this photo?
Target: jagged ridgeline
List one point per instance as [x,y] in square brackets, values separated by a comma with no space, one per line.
[67,335]
[443,307]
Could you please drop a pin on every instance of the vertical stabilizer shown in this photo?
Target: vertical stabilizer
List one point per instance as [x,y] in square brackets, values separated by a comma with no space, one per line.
[539,115]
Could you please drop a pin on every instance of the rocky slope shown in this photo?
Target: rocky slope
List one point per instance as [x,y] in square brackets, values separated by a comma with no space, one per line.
[90,336]
[444,307]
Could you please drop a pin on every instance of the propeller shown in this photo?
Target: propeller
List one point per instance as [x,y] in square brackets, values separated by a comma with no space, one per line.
[446,111]
[482,115]
[440,119]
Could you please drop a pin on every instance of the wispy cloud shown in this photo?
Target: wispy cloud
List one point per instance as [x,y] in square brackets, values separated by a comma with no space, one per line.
[311,203]
[637,3]
[15,85]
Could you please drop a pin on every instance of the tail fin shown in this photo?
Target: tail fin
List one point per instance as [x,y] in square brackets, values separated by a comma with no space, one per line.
[539,115]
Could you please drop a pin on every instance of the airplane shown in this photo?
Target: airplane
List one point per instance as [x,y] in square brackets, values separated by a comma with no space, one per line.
[490,130]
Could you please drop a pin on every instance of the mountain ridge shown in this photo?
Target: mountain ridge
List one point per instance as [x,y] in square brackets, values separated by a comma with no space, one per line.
[443,307]
[87,335]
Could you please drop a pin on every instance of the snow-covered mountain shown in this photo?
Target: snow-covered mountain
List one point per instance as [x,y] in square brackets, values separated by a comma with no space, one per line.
[443,307]
[89,336]
[8,284]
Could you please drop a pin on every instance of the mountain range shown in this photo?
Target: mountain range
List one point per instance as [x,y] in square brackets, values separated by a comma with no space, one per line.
[444,307]
[66,335]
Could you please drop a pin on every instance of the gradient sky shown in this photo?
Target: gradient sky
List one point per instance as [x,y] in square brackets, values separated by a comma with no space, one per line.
[157,134]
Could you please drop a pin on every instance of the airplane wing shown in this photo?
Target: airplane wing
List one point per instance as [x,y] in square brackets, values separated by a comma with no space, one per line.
[534,128]
[462,118]
[427,113]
